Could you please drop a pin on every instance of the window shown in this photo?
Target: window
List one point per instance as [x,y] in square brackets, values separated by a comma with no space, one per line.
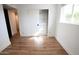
[70,14]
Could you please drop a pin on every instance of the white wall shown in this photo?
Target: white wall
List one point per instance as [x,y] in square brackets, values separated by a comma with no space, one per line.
[12,19]
[68,36]
[4,39]
[28,15]
[52,21]
[28,20]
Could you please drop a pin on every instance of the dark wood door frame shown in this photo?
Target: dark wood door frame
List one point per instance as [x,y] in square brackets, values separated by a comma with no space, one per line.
[7,22]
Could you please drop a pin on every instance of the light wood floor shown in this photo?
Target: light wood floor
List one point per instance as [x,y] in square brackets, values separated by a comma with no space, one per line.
[34,46]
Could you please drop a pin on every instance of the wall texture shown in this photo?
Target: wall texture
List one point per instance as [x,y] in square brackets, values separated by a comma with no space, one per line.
[4,39]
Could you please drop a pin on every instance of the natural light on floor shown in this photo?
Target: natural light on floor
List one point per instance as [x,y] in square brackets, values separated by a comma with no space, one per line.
[38,41]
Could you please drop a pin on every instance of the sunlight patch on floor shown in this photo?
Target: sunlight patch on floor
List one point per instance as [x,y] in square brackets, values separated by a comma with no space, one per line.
[38,41]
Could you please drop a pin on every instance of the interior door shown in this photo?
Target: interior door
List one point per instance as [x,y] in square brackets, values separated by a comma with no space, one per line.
[43,22]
